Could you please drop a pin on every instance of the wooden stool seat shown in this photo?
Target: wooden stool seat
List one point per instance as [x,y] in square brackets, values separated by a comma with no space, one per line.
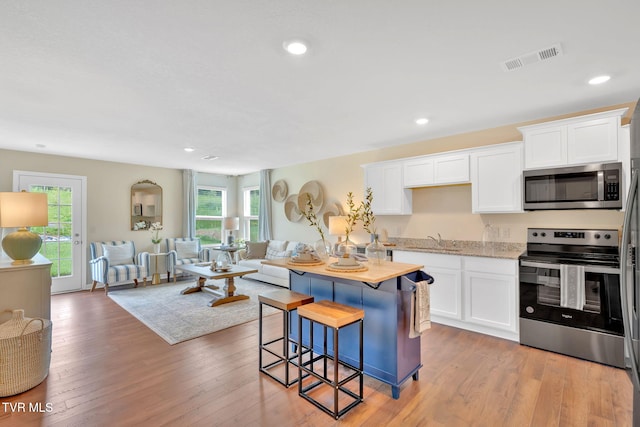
[335,316]
[285,301]
[331,313]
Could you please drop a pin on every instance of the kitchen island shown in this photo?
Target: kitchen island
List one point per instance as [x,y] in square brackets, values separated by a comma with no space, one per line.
[384,292]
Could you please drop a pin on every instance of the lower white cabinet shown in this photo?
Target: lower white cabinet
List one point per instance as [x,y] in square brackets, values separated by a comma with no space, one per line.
[479,294]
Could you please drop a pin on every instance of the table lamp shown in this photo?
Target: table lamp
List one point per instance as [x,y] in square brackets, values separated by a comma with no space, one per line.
[231,223]
[337,227]
[22,210]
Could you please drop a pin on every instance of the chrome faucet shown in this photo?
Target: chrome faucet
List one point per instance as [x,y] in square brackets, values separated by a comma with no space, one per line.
[438,240]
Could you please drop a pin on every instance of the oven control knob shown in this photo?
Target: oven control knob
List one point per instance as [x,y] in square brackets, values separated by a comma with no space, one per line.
[535,234]
[529,309]
[597,236]
[607,236]
[543,234]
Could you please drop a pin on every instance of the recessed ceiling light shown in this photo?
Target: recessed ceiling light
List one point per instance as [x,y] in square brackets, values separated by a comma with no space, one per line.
[599,79]
[41,146]
[189,149]
[210,157]
[295,47]
[422,121]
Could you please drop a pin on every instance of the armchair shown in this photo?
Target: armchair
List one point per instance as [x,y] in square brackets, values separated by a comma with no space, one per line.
[116,262]
[184,250]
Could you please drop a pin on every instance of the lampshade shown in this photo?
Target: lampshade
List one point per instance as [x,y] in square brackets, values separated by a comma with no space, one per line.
[231,223]
[22,210]
[337,225]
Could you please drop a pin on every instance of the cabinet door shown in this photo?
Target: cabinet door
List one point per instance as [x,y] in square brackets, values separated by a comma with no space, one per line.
[446,271]
[418,172]
[496,179]
[389,195]
[592,141]
[545,147]
[490,290]
[453,169]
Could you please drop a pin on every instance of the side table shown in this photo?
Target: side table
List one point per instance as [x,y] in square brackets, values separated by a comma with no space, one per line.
[155,278]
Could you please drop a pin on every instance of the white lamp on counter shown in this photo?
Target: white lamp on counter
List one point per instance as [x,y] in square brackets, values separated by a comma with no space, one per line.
[22,210]
[231,223]
[337,227]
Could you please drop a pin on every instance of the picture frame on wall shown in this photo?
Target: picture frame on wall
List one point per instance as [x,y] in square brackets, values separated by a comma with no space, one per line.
[137,209]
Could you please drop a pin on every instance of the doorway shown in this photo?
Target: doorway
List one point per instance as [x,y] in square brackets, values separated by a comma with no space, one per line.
[63,238]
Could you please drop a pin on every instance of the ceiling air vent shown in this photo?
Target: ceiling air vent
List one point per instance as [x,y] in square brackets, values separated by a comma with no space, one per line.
[532,57]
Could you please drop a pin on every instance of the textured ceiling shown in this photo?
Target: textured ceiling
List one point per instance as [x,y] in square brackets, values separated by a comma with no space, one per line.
[137,81]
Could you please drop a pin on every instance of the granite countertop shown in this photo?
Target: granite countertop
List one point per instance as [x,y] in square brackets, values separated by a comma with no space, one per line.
[459,247]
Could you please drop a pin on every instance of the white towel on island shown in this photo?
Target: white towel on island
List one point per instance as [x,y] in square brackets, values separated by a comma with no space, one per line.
[572,293]
[420,309]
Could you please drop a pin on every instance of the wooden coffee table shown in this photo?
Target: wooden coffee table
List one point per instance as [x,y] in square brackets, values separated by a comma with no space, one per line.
[227,294]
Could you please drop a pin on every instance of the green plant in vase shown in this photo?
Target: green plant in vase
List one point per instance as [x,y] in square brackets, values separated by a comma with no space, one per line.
[375,251]
[347,247]
[310,214]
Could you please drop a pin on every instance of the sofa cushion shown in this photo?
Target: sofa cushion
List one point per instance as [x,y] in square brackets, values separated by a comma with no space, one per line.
[256,250]
[278,245]
[274,254]
[118,254]
[187,249]
[272,270]
[252,263]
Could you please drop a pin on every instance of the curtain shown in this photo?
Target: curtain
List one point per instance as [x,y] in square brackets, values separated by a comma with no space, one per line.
[264,219]
[189,207]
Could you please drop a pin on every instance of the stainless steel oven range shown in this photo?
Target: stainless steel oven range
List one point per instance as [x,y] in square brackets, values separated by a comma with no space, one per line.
[570,294]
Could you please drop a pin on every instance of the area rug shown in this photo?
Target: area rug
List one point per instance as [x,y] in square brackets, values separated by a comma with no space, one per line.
[177,318]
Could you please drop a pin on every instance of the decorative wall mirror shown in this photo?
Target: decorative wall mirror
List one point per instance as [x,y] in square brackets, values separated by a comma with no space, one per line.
[146,204]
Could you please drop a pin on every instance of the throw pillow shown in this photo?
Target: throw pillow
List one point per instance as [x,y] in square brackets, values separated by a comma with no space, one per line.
[278,245]
[187,249]
[118,254]
[256,250]
[273,254]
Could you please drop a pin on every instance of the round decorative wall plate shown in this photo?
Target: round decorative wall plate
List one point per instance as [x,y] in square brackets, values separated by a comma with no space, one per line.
[314,190]
[291,210]
[279,191]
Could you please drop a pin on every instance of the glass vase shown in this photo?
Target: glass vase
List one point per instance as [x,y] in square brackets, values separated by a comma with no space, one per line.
[346,247]
[323,249]
[375,251]
[223,261]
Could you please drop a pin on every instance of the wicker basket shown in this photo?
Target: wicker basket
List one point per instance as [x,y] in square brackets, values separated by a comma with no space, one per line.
[25,353]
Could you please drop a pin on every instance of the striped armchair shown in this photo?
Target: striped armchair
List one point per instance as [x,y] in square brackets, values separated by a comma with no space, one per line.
[184,250]
[116,263]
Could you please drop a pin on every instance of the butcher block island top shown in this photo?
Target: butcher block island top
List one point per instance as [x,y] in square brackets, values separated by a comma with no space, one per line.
[374,273]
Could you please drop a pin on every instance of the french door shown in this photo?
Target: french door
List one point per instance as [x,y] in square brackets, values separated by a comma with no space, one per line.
[62,239]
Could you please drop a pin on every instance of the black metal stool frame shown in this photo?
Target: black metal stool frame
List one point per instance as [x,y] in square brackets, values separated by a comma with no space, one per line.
[323,379]
[286,356]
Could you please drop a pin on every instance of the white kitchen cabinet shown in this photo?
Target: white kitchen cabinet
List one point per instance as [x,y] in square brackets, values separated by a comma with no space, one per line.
[479,294]
[430,170]
[490,290]
[496,178]
[386,182]
[586,139]
[446,301]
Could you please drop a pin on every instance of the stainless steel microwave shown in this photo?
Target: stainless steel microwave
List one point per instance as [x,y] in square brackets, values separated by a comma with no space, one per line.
[594,186]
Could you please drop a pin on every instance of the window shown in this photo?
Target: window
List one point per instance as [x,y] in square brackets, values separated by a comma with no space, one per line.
[211,207]
[251,207]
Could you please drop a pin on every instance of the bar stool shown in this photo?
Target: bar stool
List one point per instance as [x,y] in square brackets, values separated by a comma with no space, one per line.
[286,301]
[332,315]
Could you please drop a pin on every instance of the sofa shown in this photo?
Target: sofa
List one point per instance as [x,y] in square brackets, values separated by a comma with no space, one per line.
[256,252]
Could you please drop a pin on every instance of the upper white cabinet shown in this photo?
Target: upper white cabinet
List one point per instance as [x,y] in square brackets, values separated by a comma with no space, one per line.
[386,182]
[586,139]
[496,178]
[436,170]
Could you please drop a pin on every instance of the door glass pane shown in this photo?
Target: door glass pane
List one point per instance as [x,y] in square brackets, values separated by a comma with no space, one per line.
[56,236]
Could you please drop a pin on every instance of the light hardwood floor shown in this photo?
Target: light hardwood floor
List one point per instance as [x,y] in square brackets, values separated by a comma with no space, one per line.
[108,369]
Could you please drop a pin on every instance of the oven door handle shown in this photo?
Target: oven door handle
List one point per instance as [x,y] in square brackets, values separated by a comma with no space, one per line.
[587,268]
